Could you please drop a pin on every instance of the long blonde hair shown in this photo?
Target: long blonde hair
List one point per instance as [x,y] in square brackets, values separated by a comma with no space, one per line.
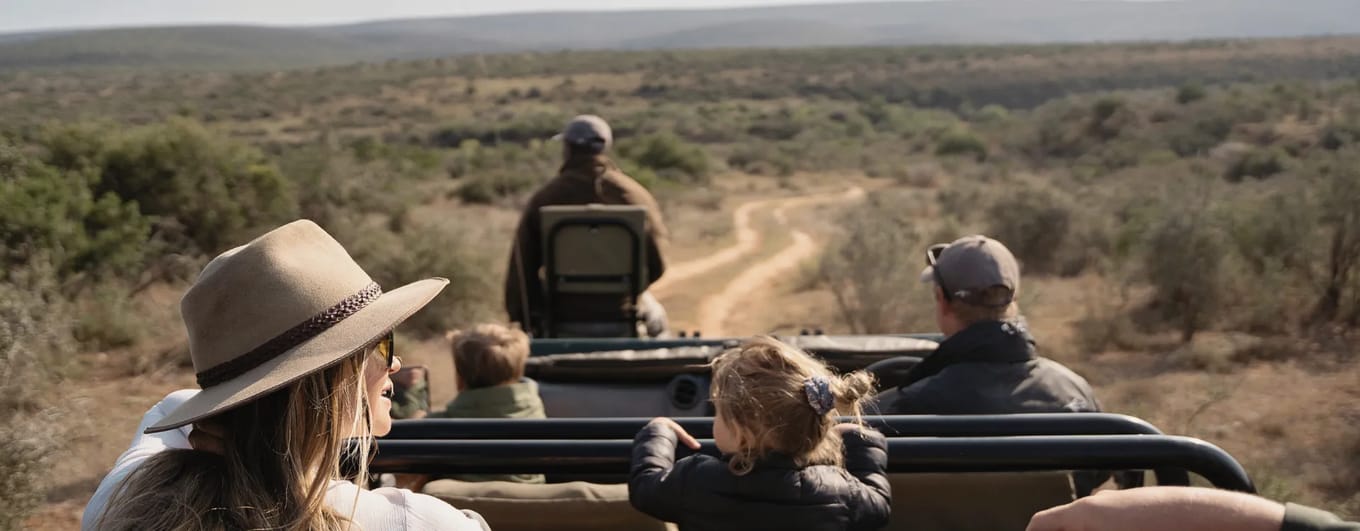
[759,389]
[280,453]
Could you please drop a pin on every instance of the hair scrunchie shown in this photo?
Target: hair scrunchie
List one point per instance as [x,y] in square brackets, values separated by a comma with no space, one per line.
[818,391]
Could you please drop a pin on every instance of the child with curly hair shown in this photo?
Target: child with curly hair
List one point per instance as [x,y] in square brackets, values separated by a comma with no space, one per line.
[786,464]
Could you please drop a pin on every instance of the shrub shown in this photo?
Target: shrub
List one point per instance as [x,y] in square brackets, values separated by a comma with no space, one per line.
[762,159]
[1109,117]
[1340,134]
[55,215]
[205,190]
[1199,136]
[1034,224]
[870,269]
[424,251]
[522,130]
[490,187]
[1257,163]
[669,156]
[109,319]
[1274,233]
[991,114]
[1190,93]
[35,344]
[1184,263]
[961,142]
[1340,222]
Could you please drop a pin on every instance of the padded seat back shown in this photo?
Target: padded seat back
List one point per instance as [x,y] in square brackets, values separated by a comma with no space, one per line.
[992,501]
[574,506]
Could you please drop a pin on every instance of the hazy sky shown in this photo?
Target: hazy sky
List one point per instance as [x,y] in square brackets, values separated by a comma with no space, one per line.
[22,15]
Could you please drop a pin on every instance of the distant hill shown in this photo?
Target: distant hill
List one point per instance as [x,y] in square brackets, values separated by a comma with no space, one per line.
[920,22]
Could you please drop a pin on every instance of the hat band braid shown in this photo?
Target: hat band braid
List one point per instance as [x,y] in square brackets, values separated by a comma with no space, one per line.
[293,337]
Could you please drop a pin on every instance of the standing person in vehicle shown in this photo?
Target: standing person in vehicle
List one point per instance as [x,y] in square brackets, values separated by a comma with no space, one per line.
[988,363]
[293,348]
[786,463]
[587,176]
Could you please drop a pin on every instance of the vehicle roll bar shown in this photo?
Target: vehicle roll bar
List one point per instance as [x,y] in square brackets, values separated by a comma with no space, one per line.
[905,455]
[702,427]
[551,346]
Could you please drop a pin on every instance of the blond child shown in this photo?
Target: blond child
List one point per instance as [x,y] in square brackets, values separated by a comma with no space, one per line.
[488,364]
[786,463]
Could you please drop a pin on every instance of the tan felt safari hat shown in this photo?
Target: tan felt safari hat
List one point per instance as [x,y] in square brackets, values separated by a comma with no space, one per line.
[269,312]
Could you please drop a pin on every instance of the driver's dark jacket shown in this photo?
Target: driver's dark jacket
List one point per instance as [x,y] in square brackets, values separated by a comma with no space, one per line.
[990,367]
[699,492]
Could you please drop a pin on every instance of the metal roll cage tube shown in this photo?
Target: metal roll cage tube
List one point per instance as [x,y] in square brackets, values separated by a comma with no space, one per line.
[905,455]
[702,427]
[549,346]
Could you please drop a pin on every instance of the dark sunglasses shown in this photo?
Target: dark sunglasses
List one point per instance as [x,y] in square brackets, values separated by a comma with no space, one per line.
[933,257]
[386,348]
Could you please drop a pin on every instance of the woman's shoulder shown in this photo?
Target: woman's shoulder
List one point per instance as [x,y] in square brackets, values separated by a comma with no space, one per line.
[393,508]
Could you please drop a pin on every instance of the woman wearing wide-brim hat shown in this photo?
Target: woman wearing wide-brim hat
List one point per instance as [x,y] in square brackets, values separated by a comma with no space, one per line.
[292,345]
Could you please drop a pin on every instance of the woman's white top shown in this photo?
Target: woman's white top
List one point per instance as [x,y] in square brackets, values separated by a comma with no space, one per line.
[378,509]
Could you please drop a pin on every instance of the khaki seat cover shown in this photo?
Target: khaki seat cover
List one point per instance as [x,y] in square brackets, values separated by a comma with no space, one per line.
[993,501]
[600,253]
[553,507]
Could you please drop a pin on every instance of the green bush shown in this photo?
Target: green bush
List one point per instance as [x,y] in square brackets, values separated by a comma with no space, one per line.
[1339,221]
[1340,134]
[761,158]
[35,349]
[424,251]
[55,215]
[864,269]
[524,129]
[487,188]
[961,142]
[1190,93]
[669,156]
[1184,263]
[1257,164]
[205,190]
[1274,233]
[109,319]
[1034,224]
[1199,136]
[1110,116]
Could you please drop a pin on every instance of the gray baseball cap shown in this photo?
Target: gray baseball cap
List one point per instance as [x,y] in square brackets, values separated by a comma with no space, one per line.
[967,268]
[587,131]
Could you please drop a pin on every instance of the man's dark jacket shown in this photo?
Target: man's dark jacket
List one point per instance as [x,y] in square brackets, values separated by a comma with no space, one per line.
[990,367]
[700,494]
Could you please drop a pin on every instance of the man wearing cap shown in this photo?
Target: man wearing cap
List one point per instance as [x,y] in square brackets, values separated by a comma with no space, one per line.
[587,176]
[987,363]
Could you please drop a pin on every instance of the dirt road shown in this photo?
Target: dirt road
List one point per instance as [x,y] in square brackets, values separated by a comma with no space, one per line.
[715,309]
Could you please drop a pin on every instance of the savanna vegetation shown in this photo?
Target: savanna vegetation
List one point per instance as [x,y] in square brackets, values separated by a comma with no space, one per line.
[1212,187]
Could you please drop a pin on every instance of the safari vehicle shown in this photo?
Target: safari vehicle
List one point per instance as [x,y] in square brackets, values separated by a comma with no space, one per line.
[600,383]
[948,473]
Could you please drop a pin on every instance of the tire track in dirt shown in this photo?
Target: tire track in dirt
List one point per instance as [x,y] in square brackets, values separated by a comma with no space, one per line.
[715,309]
[748,240]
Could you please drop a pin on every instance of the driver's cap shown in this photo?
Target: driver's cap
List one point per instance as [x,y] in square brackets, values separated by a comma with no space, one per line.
[588,131]
[973,264]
